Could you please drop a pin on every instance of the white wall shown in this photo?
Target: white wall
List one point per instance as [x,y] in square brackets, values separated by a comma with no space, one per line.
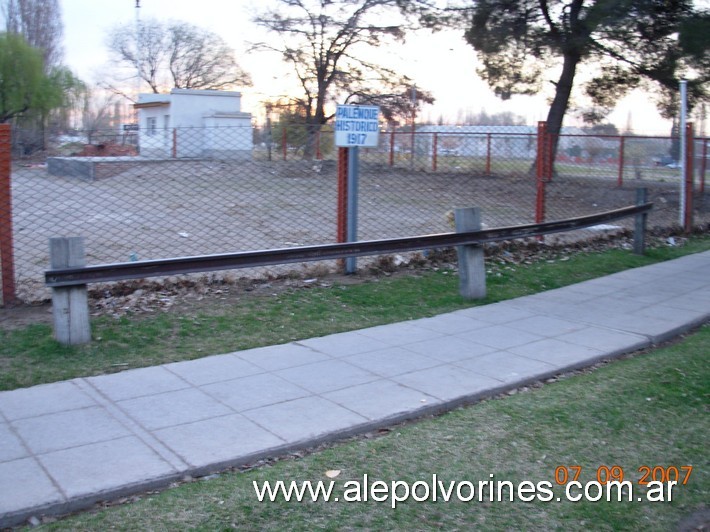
[228,135]
[207,123]
[154,142]
[188,106]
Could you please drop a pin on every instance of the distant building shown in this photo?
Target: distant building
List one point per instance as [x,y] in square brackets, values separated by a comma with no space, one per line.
[189,123]
[510,142]
[506,142]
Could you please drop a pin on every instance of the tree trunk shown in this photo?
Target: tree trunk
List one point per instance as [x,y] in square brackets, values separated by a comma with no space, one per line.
[313,127]
[310,148]
[557,111]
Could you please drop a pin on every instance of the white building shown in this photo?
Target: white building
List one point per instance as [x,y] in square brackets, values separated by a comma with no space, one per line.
[194,123]
[508,142]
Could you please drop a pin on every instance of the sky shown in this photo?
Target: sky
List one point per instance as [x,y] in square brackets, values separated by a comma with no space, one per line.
[441,62]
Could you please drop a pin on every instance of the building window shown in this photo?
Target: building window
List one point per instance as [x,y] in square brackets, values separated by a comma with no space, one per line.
[152,125]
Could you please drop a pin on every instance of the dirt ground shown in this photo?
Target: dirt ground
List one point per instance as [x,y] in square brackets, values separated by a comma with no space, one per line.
[168,209]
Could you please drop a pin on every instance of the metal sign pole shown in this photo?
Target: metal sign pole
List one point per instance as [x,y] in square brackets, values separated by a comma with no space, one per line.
[355,126]
[683,147]
[353,175]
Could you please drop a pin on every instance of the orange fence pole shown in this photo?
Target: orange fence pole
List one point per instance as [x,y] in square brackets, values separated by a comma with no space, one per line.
[703,166]
[620,179]
[283,141]
[342,228]
[690,145]
[541,167]
[7,257]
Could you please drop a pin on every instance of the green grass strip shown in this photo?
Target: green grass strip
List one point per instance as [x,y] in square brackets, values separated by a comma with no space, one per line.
[31,356]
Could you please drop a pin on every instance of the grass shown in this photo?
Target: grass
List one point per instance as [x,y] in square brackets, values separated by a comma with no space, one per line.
[649,410]
[31,356]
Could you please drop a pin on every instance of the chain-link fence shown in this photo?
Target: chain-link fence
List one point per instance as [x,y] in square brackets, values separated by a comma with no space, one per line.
[158,193]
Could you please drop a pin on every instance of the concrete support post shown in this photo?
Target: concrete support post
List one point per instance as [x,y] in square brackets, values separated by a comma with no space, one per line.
[70,305]
[640,222]
[472,267]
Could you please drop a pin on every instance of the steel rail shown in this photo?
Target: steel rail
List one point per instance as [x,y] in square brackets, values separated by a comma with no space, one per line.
[247,259]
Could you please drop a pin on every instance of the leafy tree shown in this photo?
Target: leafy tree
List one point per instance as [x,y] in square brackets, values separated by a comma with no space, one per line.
[328,44]
[27,95]
[22,80]
[289,125]
[57,92]
[46,100]
[630,42]
[40,22]
[177,54]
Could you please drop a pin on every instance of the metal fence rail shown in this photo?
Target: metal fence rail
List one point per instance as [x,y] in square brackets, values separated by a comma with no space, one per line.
[250,259]
[69,276]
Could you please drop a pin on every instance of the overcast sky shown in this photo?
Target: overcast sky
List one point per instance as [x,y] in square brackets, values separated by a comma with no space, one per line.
[442,63]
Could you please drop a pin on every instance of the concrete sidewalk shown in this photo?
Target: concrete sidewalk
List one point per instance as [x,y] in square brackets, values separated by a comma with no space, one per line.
[65,445]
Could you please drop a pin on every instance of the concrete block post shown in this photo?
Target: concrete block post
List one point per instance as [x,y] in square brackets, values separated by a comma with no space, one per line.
[640,223]
[472,267]
[70,305]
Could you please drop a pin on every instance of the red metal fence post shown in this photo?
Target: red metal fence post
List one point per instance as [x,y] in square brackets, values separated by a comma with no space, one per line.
[284,140]
[541,167]
[690,145]
[435,149]
[319,155]
[342,222]
[620,180]
[342,194]
[413,143]
[7,258]
[488,154]
[703,166]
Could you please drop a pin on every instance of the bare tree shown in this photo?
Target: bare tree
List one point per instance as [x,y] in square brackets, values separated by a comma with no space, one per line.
[97,111]
[201,59]
[328,43]
[176,54]
[40,22]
